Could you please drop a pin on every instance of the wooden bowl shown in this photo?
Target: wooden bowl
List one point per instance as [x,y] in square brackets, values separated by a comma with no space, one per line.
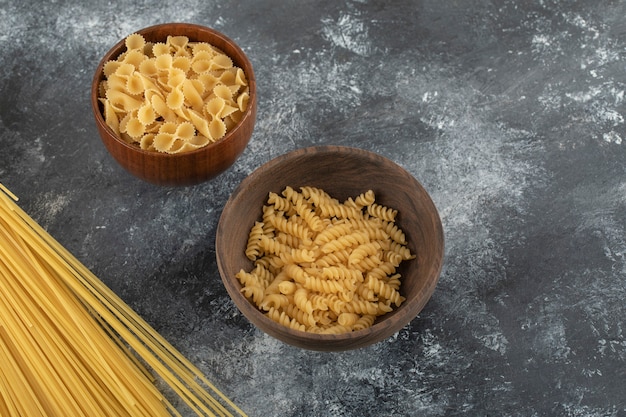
[342,172]
[185,168]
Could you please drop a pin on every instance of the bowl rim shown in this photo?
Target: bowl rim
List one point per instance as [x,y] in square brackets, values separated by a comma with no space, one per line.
[111,54]
[342,338]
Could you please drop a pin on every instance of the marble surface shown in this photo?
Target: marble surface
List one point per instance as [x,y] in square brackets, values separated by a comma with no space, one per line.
[510,113]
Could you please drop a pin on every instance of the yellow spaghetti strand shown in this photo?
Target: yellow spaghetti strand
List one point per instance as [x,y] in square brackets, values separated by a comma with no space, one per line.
[68,340]
[29,302]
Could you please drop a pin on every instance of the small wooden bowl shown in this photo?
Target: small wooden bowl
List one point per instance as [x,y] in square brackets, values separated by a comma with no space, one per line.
[342,172]
[185,168]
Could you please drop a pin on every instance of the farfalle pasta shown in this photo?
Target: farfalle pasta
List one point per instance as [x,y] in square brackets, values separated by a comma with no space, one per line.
[322,265]
[173,96]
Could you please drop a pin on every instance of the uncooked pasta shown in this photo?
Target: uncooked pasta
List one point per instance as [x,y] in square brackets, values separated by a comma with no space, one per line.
[322,265]
[153,85]
[70,346]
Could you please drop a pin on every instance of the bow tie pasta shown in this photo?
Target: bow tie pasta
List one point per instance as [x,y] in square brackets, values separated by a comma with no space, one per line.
[173,96]
[322,265]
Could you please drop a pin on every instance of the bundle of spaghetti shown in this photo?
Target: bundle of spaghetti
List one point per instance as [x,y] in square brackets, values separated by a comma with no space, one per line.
[70,346]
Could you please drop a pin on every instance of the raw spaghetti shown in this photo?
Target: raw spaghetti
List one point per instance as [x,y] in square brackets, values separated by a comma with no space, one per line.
[70,346]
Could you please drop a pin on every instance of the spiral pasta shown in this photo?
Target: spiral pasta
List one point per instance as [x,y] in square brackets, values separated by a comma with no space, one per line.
[280,203]
[360,306]
[324,266]
[338,210]
[365,199]
[310,217]
[322,318]
[283,318]
[362,251]
[394,232]
[367,263]
[301,300]
[347,241]
[273,246]
[333,232]
[342,273]
[289,240]
[253,248]
[247,279]
[300,316]
[364,321]
[385,290]
[348,319]
[329,285]
[382,212]
[255,293]
[297,256]
[334,258]
[275,301]
[317,196]
[289,226]
[264,276]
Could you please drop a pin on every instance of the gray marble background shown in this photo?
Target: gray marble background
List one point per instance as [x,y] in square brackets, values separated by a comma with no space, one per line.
[510,113]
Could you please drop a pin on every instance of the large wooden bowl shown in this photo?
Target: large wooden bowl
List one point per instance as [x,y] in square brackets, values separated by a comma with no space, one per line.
[185,168]
[342,172]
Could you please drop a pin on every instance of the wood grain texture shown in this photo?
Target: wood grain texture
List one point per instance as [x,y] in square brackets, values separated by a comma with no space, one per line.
[342,172]
[190,167]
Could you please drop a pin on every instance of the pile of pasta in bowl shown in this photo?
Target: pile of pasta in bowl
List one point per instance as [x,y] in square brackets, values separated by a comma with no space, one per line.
[175,103]
[330,247]
[172,96]
[324,266]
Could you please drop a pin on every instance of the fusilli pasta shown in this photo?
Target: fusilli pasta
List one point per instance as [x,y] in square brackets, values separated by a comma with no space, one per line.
[321,265]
